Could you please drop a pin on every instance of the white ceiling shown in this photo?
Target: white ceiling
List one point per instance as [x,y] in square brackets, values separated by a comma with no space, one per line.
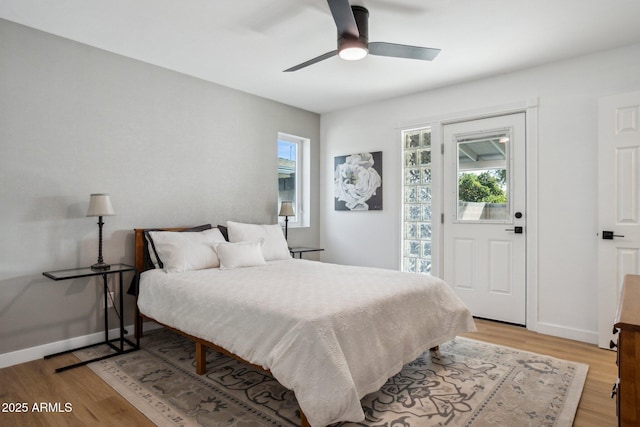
[245,44]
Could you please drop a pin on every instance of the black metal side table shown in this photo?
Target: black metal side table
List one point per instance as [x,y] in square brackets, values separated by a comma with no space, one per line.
[301,250]
[121,340]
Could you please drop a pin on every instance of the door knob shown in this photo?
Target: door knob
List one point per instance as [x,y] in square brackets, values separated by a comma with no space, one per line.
[608,235]
[516,230]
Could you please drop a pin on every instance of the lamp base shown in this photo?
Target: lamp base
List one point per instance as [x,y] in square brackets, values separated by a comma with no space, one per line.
[100,266]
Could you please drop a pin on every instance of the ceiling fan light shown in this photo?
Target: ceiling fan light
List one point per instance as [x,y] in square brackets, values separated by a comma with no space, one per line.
[353,52]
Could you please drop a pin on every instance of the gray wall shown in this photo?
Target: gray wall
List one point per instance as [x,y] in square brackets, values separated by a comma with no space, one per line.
[170,149]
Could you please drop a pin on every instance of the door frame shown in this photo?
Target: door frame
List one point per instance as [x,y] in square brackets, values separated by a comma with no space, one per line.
[530,108]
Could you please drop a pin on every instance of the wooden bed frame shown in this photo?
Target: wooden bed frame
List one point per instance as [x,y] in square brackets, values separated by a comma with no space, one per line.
[201,345]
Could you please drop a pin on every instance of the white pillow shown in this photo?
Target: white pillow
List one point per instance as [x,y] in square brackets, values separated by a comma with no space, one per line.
[241,254]
[274,246]
[187,251]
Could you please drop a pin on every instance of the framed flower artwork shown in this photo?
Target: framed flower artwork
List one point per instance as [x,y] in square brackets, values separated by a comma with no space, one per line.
[358,182]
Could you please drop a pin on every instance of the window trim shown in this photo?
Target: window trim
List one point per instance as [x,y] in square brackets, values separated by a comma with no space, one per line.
[302,181]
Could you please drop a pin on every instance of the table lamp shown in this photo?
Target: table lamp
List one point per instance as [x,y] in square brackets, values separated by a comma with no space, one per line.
[286,210]
[100,205]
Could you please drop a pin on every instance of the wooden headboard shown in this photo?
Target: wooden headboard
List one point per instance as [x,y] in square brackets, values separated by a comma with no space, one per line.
[140,242]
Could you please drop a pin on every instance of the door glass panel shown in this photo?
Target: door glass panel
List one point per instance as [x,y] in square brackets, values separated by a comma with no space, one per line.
[483,177]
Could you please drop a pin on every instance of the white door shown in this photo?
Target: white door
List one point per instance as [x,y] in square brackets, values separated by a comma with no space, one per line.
[618,203]
[485,215]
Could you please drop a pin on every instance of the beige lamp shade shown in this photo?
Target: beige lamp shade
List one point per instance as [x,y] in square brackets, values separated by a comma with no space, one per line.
[286,209]
[100,205]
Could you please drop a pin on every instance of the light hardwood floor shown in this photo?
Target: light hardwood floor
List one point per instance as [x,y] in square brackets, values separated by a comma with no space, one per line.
[95,403]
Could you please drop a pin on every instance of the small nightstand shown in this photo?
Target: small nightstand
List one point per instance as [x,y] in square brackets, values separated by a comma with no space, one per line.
[301,250]
[88,272]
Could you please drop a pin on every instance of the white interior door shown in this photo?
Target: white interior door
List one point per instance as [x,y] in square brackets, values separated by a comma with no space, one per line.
[484,233]
[618,203]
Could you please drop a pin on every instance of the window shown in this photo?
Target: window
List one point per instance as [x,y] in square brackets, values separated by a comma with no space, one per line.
[416,221]
[293,176]
[483,175]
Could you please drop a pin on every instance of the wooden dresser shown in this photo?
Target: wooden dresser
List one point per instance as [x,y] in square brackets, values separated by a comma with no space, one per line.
[628,325]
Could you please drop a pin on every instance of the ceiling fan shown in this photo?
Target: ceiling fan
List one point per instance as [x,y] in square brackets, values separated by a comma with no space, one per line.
[353,38]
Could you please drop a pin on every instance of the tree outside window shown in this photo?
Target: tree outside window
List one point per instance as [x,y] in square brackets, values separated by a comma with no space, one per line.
[487,186]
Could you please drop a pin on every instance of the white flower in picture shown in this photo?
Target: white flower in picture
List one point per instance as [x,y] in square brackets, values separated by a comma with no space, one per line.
[358,182]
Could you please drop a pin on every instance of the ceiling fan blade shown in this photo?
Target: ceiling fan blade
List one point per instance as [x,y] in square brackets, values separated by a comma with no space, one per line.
[343,16]
[312,61]
[403,51]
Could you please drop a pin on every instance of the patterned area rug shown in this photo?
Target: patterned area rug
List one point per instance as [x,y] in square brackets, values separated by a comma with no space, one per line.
[465,383]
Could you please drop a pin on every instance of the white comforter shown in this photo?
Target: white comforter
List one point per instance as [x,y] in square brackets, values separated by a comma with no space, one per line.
[330,333]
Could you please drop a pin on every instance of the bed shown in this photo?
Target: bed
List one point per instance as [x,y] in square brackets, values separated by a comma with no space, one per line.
[331,333]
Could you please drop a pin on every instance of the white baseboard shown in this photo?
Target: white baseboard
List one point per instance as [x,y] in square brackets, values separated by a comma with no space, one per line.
[590,337]
[38,352]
